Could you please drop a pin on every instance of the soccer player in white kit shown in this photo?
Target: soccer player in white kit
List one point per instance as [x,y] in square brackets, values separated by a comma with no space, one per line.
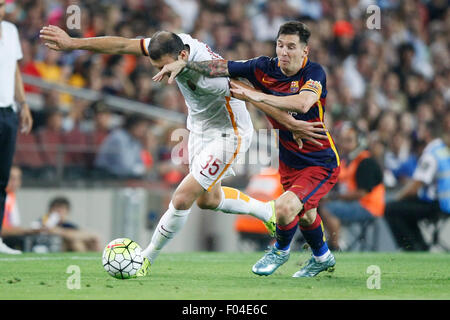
[220,129]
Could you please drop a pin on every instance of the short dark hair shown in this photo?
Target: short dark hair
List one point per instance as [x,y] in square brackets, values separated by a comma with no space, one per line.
[59,202]
[164,42]
[436,127]
[133,120]
[295,27]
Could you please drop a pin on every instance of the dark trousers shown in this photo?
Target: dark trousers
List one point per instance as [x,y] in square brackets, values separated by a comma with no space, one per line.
[403,217]
[8,134]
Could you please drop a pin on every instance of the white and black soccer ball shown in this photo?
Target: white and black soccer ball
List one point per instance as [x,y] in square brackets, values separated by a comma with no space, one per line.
[122,258]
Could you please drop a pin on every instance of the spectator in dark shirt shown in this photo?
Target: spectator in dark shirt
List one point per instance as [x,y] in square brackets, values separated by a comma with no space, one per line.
[361,193]
[121,152]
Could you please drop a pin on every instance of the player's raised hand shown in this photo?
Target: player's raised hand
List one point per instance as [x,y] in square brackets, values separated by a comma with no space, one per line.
[304,130]
[311,129]
[171,70]
[245,93]
[299,137]
[56,38]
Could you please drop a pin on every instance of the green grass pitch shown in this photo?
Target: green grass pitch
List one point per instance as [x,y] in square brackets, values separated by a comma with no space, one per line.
[227,276]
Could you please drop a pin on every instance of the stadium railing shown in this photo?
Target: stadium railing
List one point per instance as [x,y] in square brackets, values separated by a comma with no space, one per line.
[116,103]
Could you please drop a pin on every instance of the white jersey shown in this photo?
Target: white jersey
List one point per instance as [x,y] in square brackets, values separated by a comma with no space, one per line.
[10,52]
[211,109]
[426,171]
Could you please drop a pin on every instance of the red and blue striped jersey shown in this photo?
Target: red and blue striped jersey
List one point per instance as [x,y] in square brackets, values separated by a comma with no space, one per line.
[265,74]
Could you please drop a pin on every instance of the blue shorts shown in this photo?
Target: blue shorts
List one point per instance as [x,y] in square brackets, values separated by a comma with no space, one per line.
[348,211]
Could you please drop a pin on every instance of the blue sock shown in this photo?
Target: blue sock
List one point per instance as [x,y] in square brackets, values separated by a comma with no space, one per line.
[315,237]
[285,234]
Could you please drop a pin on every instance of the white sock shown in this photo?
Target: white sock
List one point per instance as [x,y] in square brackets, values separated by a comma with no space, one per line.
[168,226]
[236,202]
[323,257]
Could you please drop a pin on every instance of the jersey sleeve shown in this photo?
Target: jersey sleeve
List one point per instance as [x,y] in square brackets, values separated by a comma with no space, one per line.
[18,47]
[144,46]
[242,68]
[426,169]
[315,80]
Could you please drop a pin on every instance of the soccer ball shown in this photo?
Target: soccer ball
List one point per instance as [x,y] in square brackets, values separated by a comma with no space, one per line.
[122,258]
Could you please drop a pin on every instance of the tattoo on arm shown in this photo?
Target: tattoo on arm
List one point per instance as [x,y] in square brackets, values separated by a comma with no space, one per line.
[212,68]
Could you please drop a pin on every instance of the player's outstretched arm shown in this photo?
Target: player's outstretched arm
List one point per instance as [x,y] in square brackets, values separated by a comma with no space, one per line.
[301,102]
[57,39]
[301,130]
[210,68]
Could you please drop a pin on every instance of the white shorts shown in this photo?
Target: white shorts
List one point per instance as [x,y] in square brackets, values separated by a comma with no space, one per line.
[211,156]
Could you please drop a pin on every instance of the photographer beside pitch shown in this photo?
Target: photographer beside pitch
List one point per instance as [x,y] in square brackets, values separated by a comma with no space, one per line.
[289,82]
[11,88]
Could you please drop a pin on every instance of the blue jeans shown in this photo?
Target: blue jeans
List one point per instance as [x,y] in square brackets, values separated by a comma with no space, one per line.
[348,211]
[8,132]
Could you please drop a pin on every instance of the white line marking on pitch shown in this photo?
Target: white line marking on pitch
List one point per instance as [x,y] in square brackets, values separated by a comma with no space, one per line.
[48,258]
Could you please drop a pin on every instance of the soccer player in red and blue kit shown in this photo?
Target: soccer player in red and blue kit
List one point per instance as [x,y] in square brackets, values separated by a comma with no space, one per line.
[293,83]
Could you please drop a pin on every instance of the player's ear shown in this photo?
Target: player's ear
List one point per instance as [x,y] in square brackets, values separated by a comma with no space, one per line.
[184,55]
[306,50]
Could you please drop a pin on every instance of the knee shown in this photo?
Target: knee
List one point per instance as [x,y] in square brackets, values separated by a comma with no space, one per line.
[308,218]
[286,211]
[208,203]
[180,201]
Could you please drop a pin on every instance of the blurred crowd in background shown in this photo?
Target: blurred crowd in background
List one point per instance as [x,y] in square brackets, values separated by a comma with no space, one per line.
[389,82]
